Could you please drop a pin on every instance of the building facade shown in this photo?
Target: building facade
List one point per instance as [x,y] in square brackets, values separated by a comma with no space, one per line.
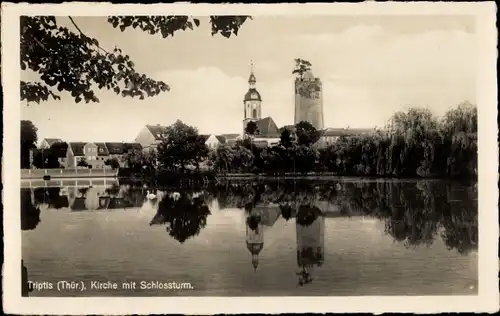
[252,102]
[80,151]
[309,100]
[150,136]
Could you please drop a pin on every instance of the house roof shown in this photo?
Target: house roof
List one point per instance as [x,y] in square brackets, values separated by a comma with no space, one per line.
[252,95]
[267,127]
[345,131]
[115,148]
[230,136]
[52,141]
[121,148]
[59,149]
[221,139]
[157,130]
[77,148]
[102,150]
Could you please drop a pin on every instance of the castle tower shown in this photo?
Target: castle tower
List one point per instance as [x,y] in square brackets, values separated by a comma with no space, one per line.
[309,100]
[252,101]
[310,241]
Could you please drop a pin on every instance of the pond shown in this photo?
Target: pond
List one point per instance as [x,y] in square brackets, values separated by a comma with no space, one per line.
[346,237]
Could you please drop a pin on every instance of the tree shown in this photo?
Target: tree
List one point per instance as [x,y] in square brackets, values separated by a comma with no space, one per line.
[113,163]
[45,158]
[28,141]
[286,138]
[181,147]
[461,119]
[251,129]
[222,158]
[306,133]
[301,67]
[75,62]
[82,162]
[139,161]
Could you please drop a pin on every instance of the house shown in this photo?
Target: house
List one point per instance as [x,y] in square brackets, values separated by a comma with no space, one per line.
[214,141]
[102,152]
[267,131]
[330,135]
[48,142]
[117,150]
[81,151]
[229,139]
[150,136]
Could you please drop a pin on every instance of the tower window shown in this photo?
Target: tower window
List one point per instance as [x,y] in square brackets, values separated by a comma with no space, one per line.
[254,113]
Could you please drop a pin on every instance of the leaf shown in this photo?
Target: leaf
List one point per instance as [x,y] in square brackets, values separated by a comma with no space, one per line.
[78,99]
[196,22]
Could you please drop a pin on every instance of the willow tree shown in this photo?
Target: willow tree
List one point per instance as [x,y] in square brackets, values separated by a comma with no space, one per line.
[414,134]
[77,63]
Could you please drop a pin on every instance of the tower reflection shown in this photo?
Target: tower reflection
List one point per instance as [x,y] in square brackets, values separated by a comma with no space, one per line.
[254,235]
[310,228]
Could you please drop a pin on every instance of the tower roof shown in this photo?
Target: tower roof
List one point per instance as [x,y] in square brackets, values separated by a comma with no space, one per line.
[252,95]
[255,247]
[252,78]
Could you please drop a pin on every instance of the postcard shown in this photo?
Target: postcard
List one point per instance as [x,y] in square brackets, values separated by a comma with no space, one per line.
[272,158]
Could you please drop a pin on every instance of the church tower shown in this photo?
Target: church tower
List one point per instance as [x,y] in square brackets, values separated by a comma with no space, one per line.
[254,236]
[252,101]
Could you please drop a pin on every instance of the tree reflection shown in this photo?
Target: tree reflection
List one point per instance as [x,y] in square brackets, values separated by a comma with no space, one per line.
[50,196]
[30,214]
[415,213]
[185,215]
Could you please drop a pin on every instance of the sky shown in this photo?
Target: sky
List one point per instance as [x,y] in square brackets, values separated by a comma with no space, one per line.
[370,66]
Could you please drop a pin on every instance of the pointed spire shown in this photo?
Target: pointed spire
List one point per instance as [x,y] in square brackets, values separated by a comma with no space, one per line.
[252,79]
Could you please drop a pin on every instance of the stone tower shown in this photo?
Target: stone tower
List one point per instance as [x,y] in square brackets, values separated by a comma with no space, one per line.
[252,102]
[309,100]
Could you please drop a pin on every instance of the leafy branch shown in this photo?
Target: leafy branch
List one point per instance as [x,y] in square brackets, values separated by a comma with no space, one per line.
[76,63]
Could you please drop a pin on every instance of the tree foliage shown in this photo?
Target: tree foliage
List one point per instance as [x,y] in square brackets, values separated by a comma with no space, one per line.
[140,162]
[74,62]
[29,139]
[306,87]
[113,163]
[181,147]
[301,67]
[251,129]
[45,159]
[82,162]
[414,144]
[306,133]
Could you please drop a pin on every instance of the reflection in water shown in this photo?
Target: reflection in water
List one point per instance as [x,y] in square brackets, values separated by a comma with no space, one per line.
[254,235]
[413,214]
[30,214]
[184,214]
[310,227]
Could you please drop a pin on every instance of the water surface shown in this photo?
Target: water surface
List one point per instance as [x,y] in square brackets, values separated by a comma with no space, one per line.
[345,237]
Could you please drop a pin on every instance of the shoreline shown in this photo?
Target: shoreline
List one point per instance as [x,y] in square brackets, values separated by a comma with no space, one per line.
[56,175]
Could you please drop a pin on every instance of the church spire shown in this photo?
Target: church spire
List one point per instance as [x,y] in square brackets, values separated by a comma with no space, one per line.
[252,80]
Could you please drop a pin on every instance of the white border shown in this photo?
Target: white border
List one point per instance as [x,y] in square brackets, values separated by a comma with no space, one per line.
[488,297]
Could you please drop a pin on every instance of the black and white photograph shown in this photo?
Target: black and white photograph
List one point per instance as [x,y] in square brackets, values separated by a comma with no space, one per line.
[274,152]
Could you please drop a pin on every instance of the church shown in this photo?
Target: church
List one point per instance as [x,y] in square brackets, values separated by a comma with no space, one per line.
[267,133]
